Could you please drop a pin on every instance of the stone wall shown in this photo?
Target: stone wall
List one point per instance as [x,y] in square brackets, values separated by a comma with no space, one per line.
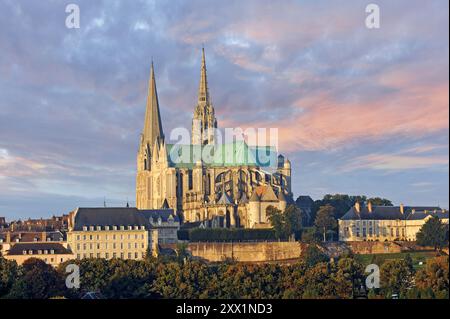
[364,247]
[283,251]
[246,252]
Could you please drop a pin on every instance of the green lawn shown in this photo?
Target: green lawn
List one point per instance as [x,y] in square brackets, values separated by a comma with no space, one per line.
[417,257]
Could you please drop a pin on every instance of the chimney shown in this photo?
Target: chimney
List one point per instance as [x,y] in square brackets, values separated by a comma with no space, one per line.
[44,236]
[358,207]
[369,206]
[402,209]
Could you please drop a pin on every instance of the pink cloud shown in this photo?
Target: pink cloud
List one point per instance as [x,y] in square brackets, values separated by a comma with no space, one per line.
[394,162]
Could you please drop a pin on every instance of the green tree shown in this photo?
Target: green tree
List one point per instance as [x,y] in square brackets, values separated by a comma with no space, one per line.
[9,271]
[396,277]
[293,219]
[342,203]
[314,255]
[277,221]
[433,233]
[37,281]
[325,220]
[378,201]
[285,223]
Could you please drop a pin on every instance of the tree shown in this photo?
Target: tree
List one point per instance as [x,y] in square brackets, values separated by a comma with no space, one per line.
[378,201]
[396,277]
[342,203]
[325,220]
[9,271]
[277,221]
[314,256]
[285,223]
[434,279]
[293,219]
[433,233]
[37,281]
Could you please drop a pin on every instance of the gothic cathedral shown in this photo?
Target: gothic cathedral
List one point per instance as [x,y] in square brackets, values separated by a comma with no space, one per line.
[215,192]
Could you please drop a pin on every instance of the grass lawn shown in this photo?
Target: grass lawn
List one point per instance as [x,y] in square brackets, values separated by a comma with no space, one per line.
[417,257]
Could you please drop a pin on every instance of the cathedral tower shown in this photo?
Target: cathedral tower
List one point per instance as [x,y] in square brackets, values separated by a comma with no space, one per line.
[204,122]
[152,139]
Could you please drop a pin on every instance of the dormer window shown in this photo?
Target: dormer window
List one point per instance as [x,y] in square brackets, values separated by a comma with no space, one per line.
[24,252]
[91,228]
[99,228]
[52,251]
[114,227]
[142,227]
[84,228]
[106,227]
[130,227]
[46,252]
[136,227]
[30,252]
[122,227]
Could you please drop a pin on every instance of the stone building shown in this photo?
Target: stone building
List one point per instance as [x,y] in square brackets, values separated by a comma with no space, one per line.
[117,232]
[50,252]
[214,189]
[386,223]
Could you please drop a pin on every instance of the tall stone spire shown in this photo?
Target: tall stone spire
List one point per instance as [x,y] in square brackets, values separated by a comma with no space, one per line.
[203,94]
[152,126]
[204,121]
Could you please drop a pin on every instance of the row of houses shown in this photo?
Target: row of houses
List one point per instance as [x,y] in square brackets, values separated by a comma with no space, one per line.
[126,233]
[130,233]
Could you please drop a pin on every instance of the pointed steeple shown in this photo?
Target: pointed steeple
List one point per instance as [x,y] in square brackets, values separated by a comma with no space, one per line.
[152,126]
[204,121]
[203,94]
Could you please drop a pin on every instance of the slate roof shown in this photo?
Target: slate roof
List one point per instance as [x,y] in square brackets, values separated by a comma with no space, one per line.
[17,249]
[263,193]
[392,213]
[120,216]
[107,216]
[156,213]
[24,236]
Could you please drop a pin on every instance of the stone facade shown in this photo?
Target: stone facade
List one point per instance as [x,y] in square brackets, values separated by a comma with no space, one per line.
[386,223]
[51,253]
[125,233]
[214,192]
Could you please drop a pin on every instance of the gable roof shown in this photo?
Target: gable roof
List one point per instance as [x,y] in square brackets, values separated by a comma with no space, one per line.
[263,193]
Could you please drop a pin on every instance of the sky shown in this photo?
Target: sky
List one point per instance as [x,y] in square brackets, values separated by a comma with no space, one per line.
[358,110]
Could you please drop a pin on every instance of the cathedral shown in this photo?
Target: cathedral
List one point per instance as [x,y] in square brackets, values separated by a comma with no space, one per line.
[229,187]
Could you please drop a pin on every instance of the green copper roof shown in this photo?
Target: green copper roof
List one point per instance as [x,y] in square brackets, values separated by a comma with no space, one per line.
[224,155]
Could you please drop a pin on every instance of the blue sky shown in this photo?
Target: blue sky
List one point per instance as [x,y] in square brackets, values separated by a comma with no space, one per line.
[359,111]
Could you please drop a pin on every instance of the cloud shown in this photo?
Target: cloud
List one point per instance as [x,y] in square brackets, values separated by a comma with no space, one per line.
[398,161]
[72,101]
